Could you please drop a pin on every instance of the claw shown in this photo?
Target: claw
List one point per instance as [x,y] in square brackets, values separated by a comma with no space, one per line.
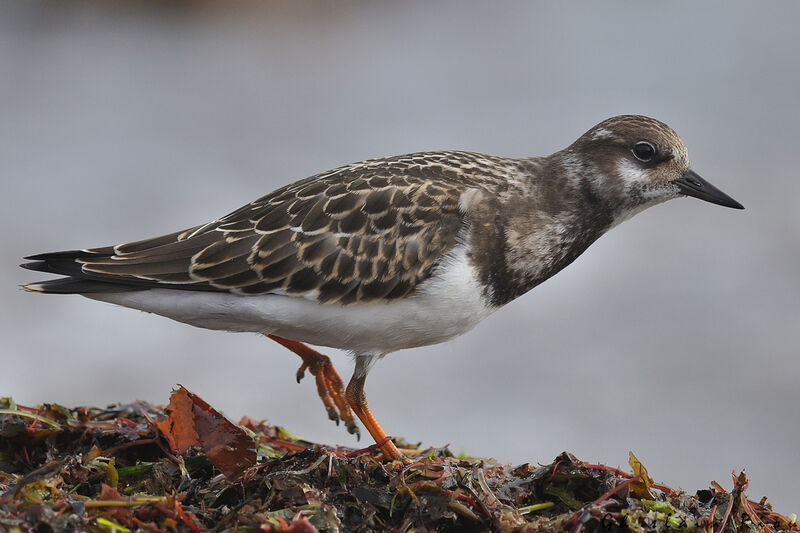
[301,372]
[333,415]
[352,428]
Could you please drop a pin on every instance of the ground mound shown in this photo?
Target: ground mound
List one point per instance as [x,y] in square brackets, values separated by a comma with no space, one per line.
[185,467]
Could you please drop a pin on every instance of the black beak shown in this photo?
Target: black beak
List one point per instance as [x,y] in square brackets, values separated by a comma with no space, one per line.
[691,184]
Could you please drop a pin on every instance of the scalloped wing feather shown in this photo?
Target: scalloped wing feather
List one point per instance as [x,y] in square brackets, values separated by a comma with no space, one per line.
[364,232]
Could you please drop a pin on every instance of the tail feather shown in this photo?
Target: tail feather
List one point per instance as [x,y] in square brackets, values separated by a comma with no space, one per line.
[76,286]
[79,280]
[71,254]
[65,267]
[161,262]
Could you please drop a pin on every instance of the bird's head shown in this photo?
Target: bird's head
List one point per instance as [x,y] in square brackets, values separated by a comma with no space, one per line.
[634,162]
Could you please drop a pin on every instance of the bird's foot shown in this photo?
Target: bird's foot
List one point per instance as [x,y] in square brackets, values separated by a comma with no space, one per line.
[331,391]
[329,385]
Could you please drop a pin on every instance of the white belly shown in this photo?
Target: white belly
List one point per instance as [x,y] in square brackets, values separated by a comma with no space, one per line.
[446,306]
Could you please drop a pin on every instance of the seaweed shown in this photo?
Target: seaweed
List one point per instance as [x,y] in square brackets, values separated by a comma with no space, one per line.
[185,467]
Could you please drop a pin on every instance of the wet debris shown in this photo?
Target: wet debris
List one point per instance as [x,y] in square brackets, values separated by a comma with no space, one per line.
[186,468]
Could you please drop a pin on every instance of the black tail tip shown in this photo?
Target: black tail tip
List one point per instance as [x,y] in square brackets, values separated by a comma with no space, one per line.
[70,285]
[33,265]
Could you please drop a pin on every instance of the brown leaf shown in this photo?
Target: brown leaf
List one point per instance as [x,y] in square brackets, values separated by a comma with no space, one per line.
[91,454]
[108,493]
[120,514]
[192,422]
[178,425]
[640,487]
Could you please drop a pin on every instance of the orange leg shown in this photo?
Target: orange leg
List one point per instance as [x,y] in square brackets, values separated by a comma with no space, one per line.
[358,401]
[329,385]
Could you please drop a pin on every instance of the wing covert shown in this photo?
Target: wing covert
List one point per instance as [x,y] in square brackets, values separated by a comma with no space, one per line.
[357,234]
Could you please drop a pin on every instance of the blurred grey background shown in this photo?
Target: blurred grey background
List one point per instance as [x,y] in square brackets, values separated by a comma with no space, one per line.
[676,336]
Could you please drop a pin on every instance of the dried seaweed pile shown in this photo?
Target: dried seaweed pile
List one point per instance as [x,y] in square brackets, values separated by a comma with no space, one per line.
[187,468]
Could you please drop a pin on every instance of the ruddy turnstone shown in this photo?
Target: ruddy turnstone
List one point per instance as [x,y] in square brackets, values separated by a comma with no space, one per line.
[389,253]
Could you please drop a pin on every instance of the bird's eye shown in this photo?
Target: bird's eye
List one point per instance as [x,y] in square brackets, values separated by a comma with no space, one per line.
[644,151]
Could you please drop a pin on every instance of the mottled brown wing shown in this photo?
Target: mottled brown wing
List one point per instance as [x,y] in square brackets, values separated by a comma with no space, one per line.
[365,232]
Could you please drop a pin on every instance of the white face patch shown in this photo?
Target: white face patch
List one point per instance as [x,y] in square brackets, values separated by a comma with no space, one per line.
[635,177]
[631,173]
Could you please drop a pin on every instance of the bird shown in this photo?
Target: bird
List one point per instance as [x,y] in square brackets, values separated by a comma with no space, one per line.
[389,253]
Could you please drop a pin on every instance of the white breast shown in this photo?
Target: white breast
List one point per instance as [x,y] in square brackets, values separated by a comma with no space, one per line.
[447,305]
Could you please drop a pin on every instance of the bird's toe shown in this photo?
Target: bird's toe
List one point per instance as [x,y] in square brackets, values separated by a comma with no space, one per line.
[333,415]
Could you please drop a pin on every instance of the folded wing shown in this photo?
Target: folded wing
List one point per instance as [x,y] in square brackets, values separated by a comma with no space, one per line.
[365,232]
